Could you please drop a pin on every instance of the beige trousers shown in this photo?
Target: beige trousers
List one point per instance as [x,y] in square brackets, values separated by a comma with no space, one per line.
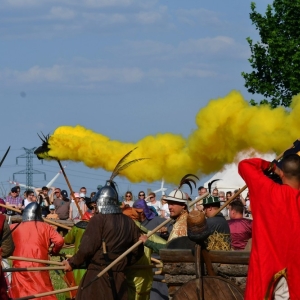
[281,291]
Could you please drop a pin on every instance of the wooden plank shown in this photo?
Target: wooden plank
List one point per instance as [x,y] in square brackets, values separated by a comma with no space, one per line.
[223,257]
[230,257]
[176,255]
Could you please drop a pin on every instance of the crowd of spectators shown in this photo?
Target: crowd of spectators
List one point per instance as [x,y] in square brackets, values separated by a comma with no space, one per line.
[56,204]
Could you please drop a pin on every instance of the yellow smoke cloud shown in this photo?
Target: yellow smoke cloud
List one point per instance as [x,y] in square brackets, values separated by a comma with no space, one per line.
[225,127]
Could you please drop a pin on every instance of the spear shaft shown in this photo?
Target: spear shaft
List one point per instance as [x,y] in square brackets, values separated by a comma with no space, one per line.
[70,188]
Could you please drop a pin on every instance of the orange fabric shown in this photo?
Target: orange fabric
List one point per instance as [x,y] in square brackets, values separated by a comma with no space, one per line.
[33,239]
[132,212]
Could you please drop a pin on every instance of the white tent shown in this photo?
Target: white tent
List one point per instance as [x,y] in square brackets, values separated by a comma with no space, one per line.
[230,179]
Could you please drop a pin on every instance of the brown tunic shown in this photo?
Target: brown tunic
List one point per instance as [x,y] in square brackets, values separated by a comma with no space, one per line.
[119,233]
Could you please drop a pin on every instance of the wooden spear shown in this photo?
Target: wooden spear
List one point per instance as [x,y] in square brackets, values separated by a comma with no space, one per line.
[70,188]
[48,293]
[3,158]
[32,269]
[47,262]
[138,243]
[45,219]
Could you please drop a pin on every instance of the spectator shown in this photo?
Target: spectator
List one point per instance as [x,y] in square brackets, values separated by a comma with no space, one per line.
[165,213]
[142,195]
[74,214]
[44,199]
[13,200]
[215,192]
[248,206]
[240,228]
[154,203]
[82,191]
[128,200]
[224,211]
[29,198]
[239,197]
[52,214]
[199,205]
[62,204]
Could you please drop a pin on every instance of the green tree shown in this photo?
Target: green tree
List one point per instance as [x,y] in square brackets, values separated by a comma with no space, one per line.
[276,57]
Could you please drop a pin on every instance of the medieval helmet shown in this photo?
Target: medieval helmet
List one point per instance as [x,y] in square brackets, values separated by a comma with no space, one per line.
[107,198]
[32,212]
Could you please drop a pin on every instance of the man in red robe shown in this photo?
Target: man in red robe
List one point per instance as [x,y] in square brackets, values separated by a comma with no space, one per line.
[32,239]
[275,229]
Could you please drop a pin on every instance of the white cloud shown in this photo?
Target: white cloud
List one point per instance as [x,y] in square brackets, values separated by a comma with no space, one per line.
[147,48]
[148,17]
[123,75]
[34,74]
[196,16]
[221,45]
[63,13]
[185,72]
[72,74]
[104,3]
[192,49]
[105,19]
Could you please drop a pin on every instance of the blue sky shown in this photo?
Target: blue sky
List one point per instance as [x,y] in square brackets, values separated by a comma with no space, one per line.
[123,68]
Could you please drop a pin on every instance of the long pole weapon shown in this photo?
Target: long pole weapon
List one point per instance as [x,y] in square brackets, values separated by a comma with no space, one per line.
[138,243]
[33,269]
[2,160]
[164,223]
[114,262]
[41,261]
[70,188]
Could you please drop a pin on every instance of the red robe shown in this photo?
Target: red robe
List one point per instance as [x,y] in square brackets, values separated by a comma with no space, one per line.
[33,239]
[275,232]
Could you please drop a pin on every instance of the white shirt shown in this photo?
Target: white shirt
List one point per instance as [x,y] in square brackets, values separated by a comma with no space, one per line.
[157,205]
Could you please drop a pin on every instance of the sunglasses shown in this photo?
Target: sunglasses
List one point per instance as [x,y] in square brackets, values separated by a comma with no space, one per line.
[56,192]
[141,194]
[151,197]
[128,196]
